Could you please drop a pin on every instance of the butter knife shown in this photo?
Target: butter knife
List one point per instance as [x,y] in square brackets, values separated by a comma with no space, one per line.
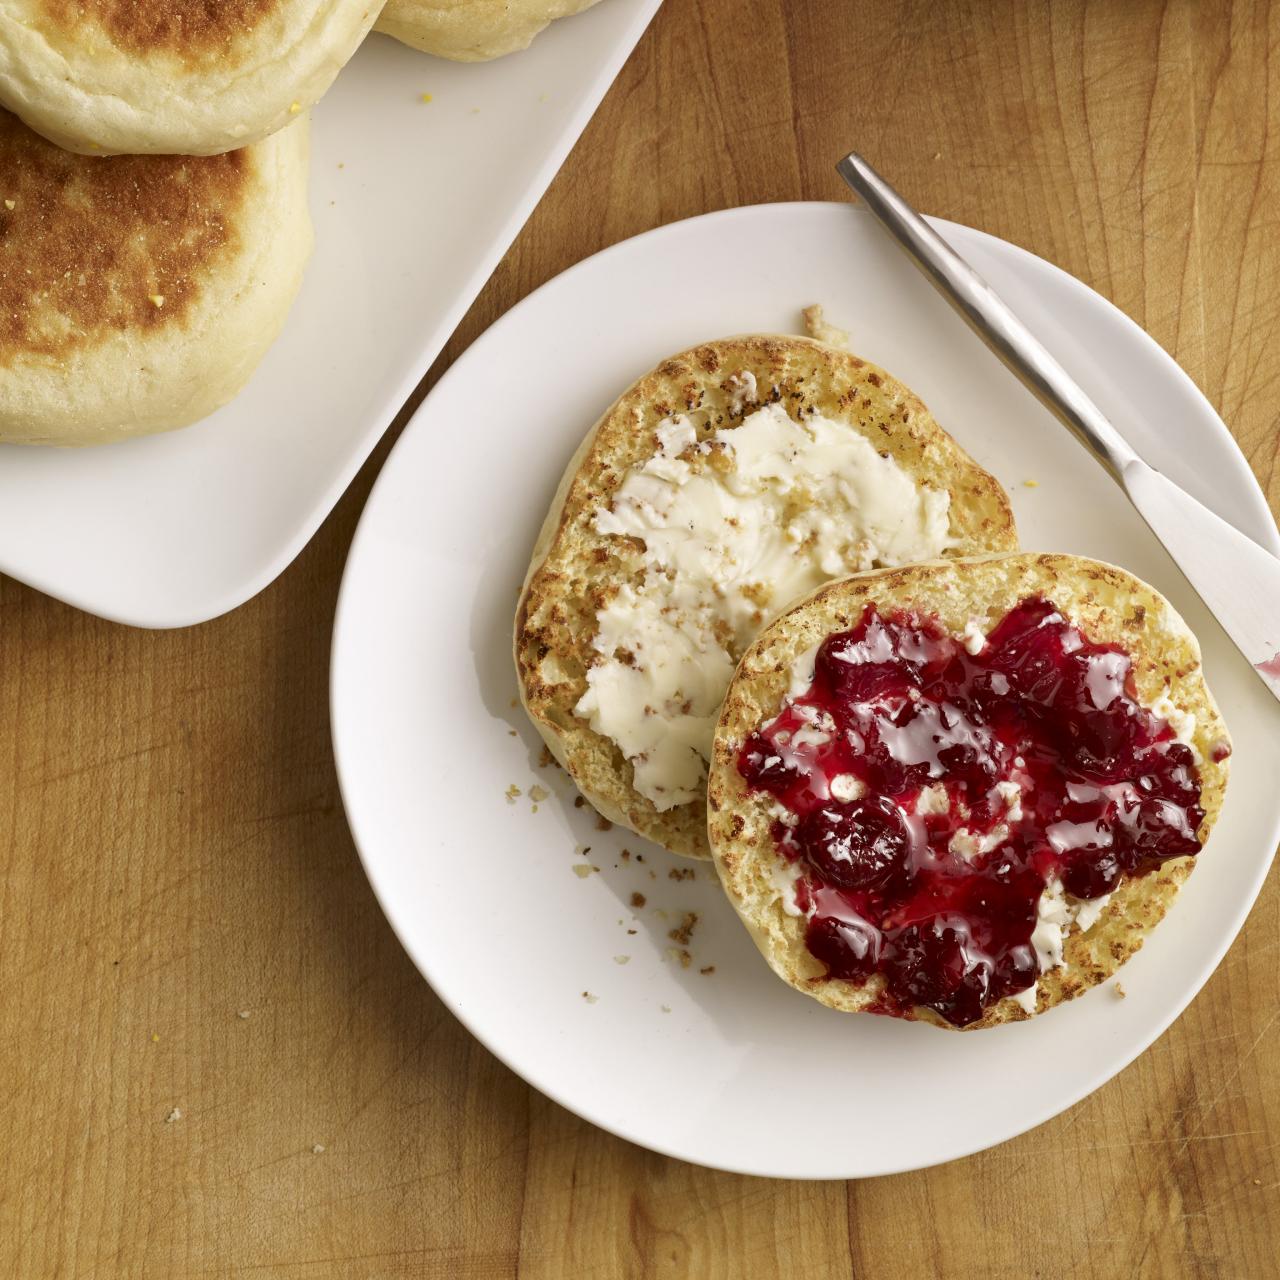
[1236,578]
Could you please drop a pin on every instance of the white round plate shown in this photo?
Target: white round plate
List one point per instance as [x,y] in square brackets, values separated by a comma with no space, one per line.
[557,973]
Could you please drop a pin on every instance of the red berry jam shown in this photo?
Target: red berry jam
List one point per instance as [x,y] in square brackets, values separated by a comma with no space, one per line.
[928,794]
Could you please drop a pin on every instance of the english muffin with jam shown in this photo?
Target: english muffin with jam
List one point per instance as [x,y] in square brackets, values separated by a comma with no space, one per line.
[965,792]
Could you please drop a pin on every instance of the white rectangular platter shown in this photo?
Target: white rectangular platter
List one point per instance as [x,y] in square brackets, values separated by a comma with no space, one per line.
[414,203]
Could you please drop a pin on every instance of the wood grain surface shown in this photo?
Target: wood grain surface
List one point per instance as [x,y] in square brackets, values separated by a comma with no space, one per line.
[186,931]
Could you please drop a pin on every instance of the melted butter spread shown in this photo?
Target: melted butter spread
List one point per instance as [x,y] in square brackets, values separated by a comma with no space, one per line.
[733,529]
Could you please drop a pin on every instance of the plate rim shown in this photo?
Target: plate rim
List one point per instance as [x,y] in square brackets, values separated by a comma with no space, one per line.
[385,896]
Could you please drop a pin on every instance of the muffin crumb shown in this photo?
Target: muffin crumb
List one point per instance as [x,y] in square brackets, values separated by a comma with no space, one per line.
[683,932]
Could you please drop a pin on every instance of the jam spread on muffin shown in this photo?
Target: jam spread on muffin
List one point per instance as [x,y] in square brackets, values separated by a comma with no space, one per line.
[939,798]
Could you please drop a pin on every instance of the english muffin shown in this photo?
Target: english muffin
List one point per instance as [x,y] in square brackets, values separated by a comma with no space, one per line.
[967,791]
[472,30]
[173,76]
[732,479]
[138,293]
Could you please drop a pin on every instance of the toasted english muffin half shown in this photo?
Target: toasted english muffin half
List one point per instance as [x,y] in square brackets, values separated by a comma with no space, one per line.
[183,77]
[472,30]
[138,293]
[1087,939]
[791,462]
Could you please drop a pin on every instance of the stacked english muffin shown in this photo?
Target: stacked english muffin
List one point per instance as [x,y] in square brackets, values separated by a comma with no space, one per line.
[153,192]
[472,30]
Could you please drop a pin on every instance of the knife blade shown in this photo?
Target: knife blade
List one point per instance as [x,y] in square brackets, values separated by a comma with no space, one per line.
[1238,580]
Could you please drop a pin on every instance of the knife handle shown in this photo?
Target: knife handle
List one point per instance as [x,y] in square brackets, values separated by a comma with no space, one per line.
[989,317]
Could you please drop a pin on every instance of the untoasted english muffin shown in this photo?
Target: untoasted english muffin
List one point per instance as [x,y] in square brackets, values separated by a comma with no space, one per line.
[729,481]
[472,30]
[138,293]
[889,837]
[185,77]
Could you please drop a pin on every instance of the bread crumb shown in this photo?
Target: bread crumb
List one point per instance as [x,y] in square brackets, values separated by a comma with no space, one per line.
[621,959]
[638,900]
[578,802]
[244,1013]
[511,733]
[679,953]
[173,1115]
[1032,484]
[1118,991]
[538,794]
[1257,1182]
[683,932]
[583,870]
[156,299]
[294,108]
[681,873]
[589,998]
[666,1008]
[818,329]
[709,969]
[9,204]
[603,823]
[513,793]
[631,931]
[424,97]
[545,758]
[626,855]
[318,1149]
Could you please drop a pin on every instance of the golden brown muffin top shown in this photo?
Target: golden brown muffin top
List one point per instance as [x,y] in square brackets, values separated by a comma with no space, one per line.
[189,29]
[94,245]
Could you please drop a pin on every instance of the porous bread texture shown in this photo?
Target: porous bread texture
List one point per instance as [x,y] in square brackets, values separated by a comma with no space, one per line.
[139,293]
[574,569]
[171,76]
[1109,606]
[472,30]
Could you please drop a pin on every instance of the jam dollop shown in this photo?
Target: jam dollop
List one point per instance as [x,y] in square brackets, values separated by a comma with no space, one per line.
[930,794]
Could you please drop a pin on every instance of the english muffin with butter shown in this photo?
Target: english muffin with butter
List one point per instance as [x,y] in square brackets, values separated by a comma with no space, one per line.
[473,30]
[183,77]
[138,293]
[965,792]
[734,478]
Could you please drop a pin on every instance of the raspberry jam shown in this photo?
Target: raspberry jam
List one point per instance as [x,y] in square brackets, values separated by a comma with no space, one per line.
[929,794]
